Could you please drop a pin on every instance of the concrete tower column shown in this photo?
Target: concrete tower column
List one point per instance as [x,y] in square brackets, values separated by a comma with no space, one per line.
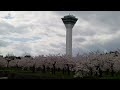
[69,22]
[69,39]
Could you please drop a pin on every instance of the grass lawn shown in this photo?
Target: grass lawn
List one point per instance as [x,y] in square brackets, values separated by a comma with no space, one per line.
[13,73]
[20,74]
[41,75]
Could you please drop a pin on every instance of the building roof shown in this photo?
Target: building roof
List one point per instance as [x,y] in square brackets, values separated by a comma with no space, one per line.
[69,16]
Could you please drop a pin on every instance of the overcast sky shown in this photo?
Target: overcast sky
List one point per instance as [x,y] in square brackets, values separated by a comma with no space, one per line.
[43,32]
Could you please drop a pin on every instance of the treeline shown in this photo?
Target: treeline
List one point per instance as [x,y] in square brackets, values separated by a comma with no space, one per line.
[93,64]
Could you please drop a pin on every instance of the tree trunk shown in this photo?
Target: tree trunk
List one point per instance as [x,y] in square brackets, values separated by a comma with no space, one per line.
[100,72]
[107,71]
[63,70]
[112,73]
[43,68]
[91,72]
[68,70]
[33,69]
[8,64]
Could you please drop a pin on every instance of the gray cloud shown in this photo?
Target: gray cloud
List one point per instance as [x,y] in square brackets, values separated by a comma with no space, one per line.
[55,45]
[79,39]
[3,43]
[23,48]
[6,28]
[61,35]
[84,32]
[112,44]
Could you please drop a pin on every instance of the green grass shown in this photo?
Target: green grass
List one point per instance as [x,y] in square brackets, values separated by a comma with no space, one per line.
[36,75]
[20,74]
[47,75]
[110,77]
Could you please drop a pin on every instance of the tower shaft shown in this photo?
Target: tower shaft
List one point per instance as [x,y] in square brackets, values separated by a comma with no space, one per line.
[69,39]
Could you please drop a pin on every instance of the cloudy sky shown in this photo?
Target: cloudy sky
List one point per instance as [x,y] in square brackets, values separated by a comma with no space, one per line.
[43,32]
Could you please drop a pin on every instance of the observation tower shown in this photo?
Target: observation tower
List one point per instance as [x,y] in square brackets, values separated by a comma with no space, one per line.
[69,22]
